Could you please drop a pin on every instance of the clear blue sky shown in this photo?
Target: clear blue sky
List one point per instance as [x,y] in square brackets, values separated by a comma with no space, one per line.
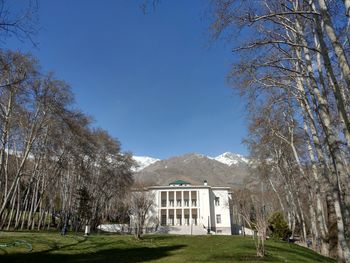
[153,81]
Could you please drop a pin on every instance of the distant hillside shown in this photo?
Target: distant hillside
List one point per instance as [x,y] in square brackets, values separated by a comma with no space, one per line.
[225,170]
[143,161]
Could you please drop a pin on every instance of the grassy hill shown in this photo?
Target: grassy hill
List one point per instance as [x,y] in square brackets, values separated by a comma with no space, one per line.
[51,247]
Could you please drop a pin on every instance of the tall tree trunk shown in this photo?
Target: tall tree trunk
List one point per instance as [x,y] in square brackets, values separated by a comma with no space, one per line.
[335,152]
[337,92]
[18,212]
[277,194]
[12,205]
[338,48]
[332,225]
[319,207]
[4,140]
[347,7]
[31,209]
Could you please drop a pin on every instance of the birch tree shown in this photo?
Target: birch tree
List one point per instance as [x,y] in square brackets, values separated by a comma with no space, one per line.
[286,47]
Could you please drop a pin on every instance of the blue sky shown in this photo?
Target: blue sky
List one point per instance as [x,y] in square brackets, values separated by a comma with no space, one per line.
[154,81]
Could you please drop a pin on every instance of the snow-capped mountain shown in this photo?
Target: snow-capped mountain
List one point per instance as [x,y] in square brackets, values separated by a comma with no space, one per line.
[143,161]
[227,169]
[229,158]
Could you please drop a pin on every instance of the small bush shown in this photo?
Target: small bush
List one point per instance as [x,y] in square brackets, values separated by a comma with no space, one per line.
[278,226]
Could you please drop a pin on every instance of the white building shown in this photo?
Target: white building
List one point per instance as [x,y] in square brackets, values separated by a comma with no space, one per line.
[182,208]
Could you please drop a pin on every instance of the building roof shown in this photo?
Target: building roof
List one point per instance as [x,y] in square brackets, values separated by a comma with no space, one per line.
[180,182]
[157,187]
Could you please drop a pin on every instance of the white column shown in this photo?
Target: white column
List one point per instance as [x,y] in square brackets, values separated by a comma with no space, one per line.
[197,196]
[183,198]
[182,208]
[199,209]
[190,216]
[167,209]
[159,207]
[167,216]
[167,198]
[190,198]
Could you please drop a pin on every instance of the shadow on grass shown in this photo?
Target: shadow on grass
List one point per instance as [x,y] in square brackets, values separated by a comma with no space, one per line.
[140,254]
[244,257]
[275,253]
[56,247]
[303,252]
[160,237]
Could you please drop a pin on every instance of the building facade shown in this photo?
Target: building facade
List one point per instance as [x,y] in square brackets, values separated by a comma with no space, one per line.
[182,208]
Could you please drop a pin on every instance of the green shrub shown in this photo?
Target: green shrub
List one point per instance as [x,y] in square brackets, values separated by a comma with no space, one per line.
[278,226]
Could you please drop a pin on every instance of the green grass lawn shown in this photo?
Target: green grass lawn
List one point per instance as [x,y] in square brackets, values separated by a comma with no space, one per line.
[52,247]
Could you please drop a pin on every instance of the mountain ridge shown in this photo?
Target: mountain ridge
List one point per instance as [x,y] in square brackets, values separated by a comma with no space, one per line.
[227,169]
[227,158]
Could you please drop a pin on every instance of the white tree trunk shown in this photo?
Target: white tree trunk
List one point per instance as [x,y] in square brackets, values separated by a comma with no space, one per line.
[338,49]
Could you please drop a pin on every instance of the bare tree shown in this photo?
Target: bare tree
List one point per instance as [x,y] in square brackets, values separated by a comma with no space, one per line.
[49,153]
[286,69]
[141,202]
[253,211]
[20,22]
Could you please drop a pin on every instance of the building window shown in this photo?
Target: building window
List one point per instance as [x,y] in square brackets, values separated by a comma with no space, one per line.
[218,219]
[187,220]
[217,201]
[163,220]
[171,220]
[178,220]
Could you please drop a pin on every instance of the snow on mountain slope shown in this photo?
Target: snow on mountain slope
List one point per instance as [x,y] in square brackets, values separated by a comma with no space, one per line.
[195,168]
[143,161]
[229,158]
